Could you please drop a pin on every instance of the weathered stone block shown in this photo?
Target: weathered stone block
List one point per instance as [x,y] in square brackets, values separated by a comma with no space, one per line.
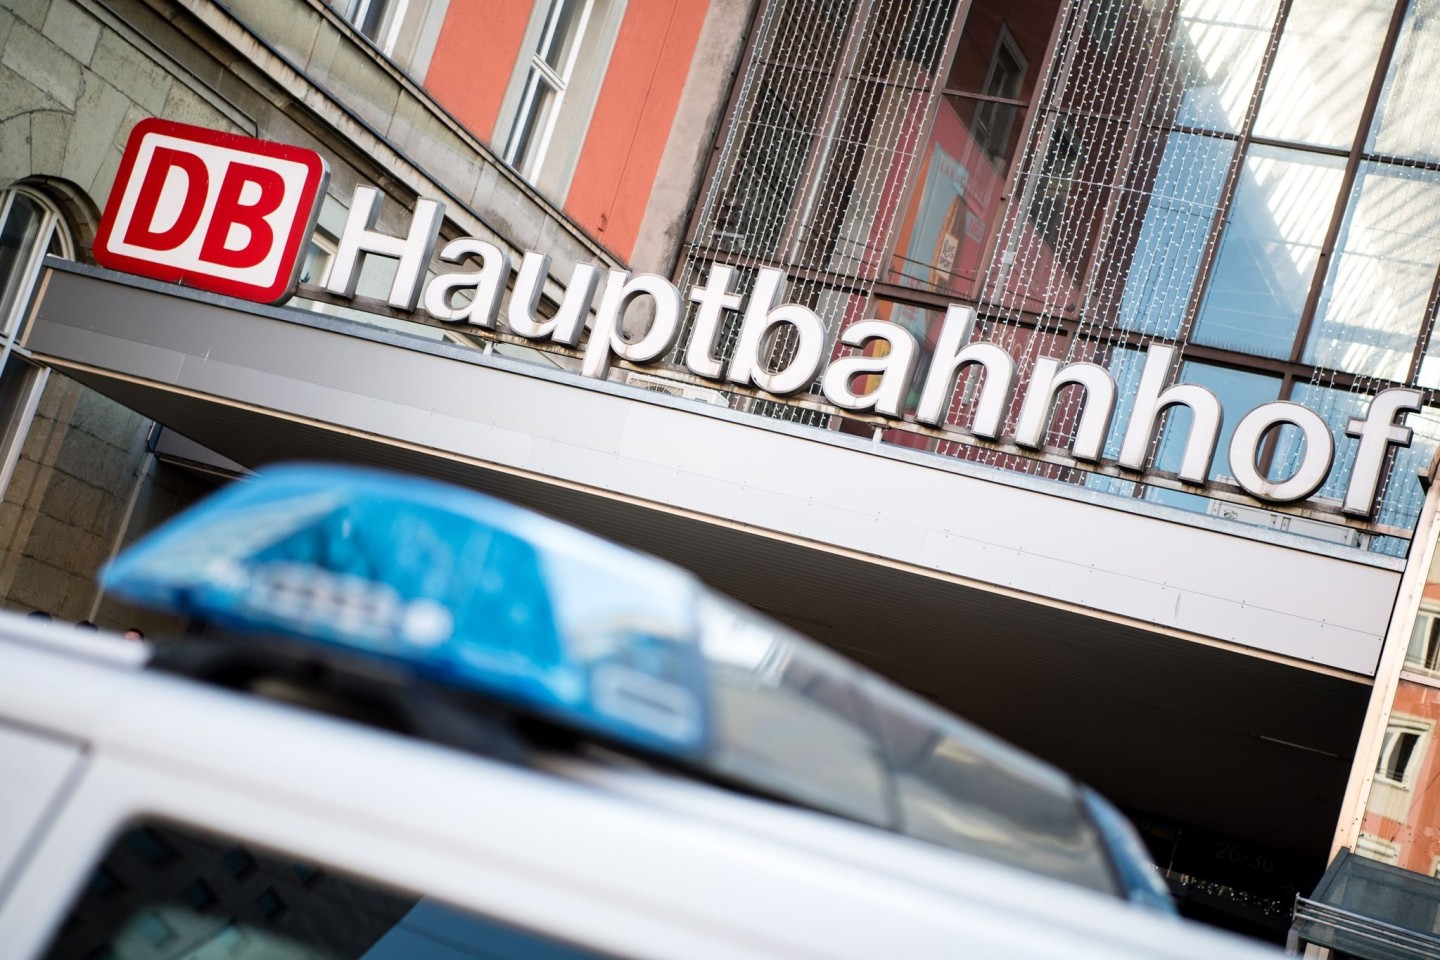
[186,106]
[7,20]
[9,520]
[72,30]
[72,501]
[31,11]
[66,547]
[291,27]
[49,138]
[446,157]
[83,456]
[129,69]
[15,148]
[98,116]
[22,481]
[39,586]
[44,65]
[365,87]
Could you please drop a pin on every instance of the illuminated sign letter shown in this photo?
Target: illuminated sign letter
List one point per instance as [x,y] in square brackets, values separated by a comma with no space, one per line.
[1314,465]
[360,238]
[761,318]
[1152,399]
[608,335]
[945,366]
[1046,380]
[714,299]
[486,284]
[569,321]
[1376,432]
[895,368]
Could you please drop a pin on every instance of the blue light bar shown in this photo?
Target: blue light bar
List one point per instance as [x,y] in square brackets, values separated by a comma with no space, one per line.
[455,586]
[465,590]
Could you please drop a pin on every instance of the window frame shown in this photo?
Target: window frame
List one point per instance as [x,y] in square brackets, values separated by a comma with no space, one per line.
[53,228]
[387,28]
[1089,321]
[54,231]
[1397,731]
[538,71]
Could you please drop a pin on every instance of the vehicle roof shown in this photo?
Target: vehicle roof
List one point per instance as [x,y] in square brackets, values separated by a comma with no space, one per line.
[667,853]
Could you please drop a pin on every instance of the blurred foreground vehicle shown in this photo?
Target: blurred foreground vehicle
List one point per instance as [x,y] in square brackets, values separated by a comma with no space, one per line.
[440,726]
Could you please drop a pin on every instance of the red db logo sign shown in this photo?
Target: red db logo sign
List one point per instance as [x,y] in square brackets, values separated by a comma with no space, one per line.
[212,210]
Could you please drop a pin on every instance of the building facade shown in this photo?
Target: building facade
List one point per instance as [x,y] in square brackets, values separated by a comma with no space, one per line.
[1068,361]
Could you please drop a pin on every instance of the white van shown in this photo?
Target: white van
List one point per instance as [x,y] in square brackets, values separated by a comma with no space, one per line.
[282,799]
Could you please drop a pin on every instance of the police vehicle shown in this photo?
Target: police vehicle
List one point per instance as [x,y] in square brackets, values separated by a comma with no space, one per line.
[419,723]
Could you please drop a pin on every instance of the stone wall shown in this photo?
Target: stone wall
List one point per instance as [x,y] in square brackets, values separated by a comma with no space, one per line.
[66,506]
[75,78]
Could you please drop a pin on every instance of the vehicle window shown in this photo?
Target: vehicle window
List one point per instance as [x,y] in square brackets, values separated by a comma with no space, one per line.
[809,726]
[786,719]
[963,788]
[165,892]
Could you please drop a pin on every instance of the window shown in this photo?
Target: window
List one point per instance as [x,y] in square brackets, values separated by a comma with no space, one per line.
[1003,81]
[197,904]
[1377,848]
[1253,181]
[1400,753]
[31,226]
[551,66]
[378,20]
[1424,651]
[958,198]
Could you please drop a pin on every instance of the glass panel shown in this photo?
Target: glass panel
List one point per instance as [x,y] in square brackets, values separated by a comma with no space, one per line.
[775,698]
[1336,407]
[1269,250]
[374,19]
[165,891]
[526,140]
[1239,392]
[1401,493]
[1380,274]
[555,49]
[19,236]
[1214,50]
[849,198]
[19,379]
[962,788]
[1001,52]
[1322,72]
[955,203]
[1423,653]
[1409,109]
[1182,205]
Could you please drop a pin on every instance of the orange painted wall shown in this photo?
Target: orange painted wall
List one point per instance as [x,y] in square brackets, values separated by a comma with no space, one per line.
[474,56]
[632,119]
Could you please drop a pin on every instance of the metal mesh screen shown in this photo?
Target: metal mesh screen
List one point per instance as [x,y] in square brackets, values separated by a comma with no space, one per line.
[1172,181]
[821,142]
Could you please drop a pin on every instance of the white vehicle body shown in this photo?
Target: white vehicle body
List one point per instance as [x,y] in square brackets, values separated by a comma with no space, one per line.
[613,859]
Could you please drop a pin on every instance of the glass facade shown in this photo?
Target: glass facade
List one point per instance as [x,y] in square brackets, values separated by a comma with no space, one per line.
[1250,182]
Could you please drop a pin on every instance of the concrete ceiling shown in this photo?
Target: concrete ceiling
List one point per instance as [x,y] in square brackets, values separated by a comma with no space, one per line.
[1243,745]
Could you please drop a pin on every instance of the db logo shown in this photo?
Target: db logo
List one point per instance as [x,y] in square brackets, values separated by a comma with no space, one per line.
[211,210]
